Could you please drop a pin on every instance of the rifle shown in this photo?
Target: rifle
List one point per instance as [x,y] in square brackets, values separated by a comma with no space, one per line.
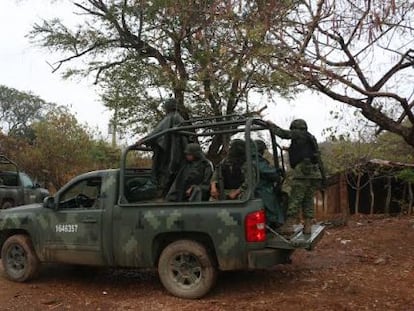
[220,181]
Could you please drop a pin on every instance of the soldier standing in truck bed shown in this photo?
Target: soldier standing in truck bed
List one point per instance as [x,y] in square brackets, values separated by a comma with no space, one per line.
[308,172]
[168,149]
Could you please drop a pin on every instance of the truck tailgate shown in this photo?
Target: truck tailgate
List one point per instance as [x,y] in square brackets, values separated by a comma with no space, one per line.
[297,240]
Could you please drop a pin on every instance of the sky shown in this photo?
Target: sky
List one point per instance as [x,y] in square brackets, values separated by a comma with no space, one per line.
[25,67]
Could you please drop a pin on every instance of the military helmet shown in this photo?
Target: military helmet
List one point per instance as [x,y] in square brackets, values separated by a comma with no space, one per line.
[193,149]
[170,105]
[237,148]
[298,124]
[261,146]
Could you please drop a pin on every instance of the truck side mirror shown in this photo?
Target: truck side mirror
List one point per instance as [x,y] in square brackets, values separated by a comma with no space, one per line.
[49,202]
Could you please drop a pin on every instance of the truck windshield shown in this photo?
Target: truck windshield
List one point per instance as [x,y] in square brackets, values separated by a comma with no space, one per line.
[83,194]
[26,181]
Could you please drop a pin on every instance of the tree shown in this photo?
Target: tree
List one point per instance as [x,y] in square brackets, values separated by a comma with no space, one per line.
[18,110]
[62,146]
[203,52]
[356,52]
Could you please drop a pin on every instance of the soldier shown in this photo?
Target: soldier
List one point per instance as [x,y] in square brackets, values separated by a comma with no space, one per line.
[308,172]
[265,189]
[168,149]
[193,180]
[228,176]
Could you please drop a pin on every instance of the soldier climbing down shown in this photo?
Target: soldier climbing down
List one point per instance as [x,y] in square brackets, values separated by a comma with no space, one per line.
[269,177]
[308,172]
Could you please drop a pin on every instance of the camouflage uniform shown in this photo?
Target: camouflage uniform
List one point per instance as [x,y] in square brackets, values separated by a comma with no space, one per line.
[168,149]
[228,175]
[265,189]
[194,174]
[307,172]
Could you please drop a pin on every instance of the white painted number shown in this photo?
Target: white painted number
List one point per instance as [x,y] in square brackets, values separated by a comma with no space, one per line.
[66,228]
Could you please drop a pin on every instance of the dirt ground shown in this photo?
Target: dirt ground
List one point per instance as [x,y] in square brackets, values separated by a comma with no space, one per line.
[367,265]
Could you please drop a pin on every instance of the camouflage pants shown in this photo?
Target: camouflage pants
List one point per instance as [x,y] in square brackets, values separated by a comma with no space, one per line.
[301,197]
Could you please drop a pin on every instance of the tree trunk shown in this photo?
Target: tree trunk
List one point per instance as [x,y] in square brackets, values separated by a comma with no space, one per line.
[388,199]
[403,198]
[372,195]
[358,193]
[218,148]
[410,195]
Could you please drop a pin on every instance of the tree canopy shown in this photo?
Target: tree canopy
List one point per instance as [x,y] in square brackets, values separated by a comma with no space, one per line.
[357,52]
[47,141]
[18,110]
[202,52]
[212,54]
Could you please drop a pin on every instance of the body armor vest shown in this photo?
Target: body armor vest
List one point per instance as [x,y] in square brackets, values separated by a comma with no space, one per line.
[301,148]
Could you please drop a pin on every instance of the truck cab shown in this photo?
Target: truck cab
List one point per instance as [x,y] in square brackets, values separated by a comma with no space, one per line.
[117,218]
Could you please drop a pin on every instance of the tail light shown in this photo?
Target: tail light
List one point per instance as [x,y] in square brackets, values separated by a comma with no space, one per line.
[255,226]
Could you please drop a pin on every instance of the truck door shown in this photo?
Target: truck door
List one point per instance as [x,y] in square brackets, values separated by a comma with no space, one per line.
[75,226]
[29,192]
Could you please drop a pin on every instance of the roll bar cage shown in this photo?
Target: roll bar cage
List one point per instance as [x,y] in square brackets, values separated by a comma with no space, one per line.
[210,126]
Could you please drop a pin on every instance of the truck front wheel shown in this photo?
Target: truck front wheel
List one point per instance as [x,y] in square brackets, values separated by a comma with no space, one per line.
[19,259]
[186,269]
[7,204]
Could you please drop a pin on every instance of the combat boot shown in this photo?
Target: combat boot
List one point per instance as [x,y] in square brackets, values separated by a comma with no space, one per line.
[307,226]
[287,228]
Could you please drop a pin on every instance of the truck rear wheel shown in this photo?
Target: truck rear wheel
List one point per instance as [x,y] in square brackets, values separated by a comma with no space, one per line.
[186,269]
[19,259]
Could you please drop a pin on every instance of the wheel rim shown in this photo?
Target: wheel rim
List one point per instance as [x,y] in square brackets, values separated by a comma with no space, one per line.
[6,205]
[16,260]
[186,270]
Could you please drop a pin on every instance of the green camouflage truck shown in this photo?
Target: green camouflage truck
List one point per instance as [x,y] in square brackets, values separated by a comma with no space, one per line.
[16,187]
[97,220]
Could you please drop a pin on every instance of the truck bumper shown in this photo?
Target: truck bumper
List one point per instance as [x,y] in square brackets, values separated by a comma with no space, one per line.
[268,257]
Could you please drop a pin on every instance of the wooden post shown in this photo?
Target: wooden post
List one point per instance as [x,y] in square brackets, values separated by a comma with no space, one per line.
[403,201]
[344,198]
[358,193]
[371,192]
[410,195]
[388,199]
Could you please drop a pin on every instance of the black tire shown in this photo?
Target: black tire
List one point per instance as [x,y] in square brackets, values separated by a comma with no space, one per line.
[7,204]
[20,262]
[186,270]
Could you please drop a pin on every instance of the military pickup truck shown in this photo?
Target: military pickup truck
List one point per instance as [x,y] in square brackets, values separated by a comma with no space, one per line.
[17,188]
[103,218]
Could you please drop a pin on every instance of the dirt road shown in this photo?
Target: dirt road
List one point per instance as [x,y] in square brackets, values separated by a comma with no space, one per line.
[368,265]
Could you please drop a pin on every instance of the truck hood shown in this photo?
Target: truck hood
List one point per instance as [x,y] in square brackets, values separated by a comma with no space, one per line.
[22,217]
[30,208]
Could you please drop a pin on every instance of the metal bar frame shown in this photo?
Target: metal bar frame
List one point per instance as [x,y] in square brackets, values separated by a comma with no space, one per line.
[249,125]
